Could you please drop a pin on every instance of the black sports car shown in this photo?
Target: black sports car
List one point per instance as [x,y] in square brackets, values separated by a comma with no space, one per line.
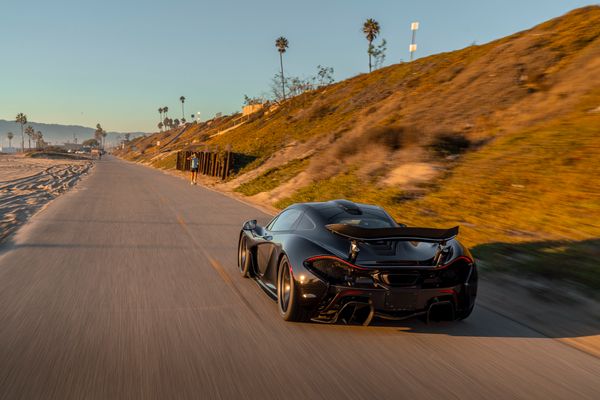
[341,261]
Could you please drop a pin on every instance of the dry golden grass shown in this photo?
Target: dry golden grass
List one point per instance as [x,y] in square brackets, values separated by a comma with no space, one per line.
[510,130]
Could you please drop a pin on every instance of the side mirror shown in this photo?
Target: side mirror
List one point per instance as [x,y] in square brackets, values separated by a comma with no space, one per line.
[250,225]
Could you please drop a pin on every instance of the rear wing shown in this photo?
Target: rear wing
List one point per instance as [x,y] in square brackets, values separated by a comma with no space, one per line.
[399,233]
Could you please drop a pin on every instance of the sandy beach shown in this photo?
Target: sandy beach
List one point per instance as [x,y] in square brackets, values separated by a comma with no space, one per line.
[27,184]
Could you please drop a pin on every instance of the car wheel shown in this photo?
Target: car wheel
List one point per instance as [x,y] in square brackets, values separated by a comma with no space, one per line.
[287,294]
[244,257]
[465,314]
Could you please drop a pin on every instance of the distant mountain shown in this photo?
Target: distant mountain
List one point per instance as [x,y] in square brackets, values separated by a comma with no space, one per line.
[56,133]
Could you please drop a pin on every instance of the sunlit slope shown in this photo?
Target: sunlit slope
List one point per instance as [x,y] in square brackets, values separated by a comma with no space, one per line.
[502,139]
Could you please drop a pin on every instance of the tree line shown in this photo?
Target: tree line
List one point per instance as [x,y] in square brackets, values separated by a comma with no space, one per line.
[32,135]
[38,137]
[283,86]
[168,123]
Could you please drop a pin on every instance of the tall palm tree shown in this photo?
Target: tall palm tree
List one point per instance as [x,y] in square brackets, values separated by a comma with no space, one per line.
[30,132]
[281,44]
[39,139]
[182,100]
[99,134]
[33,136]
[22,120]
[166,110]
[371,30]
[10,137]
[160,111]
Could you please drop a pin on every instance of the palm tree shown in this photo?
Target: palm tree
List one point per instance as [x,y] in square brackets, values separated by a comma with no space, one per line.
[39,139]
[166,110]
[160,126]
[282,44]
[160,111]
[33,136]
[99,134]
[22,120]
[182,100]
[371,29]
[10,137]
[30,132]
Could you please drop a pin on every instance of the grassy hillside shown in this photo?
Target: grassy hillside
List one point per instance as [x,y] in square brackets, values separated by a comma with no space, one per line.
[502,139]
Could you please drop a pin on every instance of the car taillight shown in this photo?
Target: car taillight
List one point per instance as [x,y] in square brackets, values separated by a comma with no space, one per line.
[337,271]
[456,271]
[464,259]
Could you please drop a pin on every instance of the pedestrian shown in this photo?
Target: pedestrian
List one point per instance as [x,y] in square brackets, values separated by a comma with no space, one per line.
[194,168]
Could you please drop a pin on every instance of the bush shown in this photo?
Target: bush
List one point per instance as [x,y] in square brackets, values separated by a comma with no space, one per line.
[390,137]
[450,144]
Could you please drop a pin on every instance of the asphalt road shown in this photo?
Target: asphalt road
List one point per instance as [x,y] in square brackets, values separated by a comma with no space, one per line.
[126,287]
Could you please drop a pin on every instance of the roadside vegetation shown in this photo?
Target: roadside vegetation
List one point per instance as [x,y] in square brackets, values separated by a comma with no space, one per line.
[501,139]
[272,178]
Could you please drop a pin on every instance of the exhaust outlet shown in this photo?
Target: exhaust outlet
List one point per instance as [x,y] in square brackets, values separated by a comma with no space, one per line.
[362,313]
[441,311]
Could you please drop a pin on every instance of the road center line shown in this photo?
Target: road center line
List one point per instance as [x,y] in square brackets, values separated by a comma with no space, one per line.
[214,263]
[217,266]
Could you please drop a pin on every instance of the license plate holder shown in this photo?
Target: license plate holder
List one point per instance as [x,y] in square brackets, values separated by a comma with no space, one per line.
[402,300]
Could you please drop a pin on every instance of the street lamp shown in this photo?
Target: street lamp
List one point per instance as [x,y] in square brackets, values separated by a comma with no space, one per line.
[413,46]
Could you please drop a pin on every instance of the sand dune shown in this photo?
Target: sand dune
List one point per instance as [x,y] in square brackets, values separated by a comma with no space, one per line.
[26,185]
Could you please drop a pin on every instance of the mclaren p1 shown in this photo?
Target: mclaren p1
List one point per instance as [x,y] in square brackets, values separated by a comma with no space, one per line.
[341,261]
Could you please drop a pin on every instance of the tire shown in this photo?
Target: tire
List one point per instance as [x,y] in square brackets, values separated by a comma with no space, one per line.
[244,257]
[465,314]
[288,301]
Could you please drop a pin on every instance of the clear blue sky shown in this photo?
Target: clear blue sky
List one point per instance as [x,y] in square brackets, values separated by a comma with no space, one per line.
[115,62]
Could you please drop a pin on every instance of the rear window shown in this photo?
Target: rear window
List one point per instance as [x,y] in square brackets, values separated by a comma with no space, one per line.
[367,219]
[306,224]
[285,220]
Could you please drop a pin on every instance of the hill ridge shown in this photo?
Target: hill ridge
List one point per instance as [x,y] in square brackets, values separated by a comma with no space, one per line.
[501,138]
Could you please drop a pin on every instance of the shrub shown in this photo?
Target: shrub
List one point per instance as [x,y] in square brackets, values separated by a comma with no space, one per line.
[450,144]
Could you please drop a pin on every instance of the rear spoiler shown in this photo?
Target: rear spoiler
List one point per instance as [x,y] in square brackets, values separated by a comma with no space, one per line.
[400,233]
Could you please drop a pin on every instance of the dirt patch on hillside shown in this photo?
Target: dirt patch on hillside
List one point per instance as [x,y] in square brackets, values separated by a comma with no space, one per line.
[411,174]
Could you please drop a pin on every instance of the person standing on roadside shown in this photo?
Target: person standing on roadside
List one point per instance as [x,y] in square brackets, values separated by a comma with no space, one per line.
[193,168]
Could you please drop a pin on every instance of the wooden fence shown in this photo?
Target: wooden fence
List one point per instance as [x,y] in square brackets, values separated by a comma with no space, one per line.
[210,162]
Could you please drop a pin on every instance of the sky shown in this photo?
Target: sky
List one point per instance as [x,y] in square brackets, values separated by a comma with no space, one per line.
[116,62]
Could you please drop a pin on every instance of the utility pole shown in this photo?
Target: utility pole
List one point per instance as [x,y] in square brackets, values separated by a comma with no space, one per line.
[413,46]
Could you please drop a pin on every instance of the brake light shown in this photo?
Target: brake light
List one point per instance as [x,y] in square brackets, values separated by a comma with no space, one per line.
[461,258]
[336,259]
